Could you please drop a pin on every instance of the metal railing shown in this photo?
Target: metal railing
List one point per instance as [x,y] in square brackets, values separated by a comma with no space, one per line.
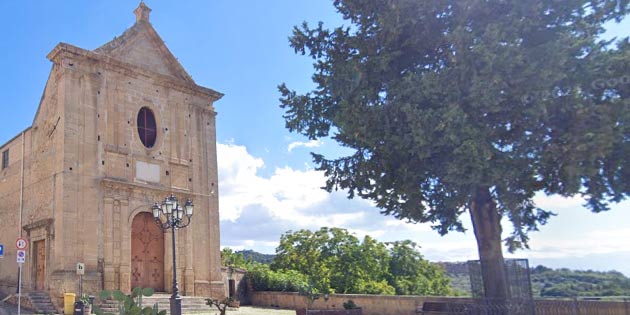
[536,307]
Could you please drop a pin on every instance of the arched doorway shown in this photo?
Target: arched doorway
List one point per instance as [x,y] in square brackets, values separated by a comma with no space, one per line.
[147,253]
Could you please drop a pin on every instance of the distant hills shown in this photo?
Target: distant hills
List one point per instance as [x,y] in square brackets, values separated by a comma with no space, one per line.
[249,254]
[546,282]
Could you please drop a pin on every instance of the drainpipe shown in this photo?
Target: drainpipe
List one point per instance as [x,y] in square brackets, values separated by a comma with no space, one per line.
[22,186]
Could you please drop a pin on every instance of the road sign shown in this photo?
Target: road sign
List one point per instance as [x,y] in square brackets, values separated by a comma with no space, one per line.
[1,250]
[21,243]
[21,256]
[80,268]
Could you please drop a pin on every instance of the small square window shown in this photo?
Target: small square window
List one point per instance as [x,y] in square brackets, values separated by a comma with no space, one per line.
[5,159]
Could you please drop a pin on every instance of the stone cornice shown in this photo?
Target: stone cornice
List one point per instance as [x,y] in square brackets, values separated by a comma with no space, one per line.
[63,50]
[122,185]
[45,223]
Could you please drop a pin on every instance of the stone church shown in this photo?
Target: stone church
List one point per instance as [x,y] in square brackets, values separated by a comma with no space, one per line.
[118,128]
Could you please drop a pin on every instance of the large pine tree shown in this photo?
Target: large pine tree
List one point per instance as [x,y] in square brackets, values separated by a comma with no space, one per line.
[470,105]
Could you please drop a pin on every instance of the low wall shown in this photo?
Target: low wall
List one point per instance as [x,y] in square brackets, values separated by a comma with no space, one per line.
[371,304]
[407,305]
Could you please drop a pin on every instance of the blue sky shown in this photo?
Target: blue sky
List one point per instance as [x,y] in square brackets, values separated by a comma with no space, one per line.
[267,184]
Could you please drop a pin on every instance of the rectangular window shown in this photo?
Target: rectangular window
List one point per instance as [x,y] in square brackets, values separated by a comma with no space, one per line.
[5,159]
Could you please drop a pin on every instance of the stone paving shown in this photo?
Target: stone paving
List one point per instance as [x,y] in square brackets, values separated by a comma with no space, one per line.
[6,309]
[249,310]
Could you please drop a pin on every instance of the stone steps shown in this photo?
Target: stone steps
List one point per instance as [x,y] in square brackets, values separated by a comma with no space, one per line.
[41,302]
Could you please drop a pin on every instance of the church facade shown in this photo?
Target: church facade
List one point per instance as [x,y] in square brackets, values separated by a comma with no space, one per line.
[118,129]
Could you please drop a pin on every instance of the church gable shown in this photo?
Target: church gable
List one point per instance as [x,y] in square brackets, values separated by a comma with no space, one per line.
[141,46]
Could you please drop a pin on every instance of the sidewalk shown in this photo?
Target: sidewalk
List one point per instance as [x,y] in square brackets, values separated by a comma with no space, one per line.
[8,309]
[248,310]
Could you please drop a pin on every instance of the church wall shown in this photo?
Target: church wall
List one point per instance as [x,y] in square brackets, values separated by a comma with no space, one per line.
[102,187]
[86,174]
[10,183]
[41,182]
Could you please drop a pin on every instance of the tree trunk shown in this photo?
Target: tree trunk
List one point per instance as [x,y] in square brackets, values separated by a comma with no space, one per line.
[486,222]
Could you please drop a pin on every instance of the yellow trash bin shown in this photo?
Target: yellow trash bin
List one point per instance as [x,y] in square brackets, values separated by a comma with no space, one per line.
[68,303]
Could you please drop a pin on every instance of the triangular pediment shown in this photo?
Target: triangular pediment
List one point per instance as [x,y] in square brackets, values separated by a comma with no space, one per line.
[141,46]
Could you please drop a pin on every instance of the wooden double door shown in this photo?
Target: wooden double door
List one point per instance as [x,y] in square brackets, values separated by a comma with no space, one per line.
[147,253]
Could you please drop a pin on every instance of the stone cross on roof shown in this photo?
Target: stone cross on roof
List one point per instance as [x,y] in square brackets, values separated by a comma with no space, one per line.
[142,12]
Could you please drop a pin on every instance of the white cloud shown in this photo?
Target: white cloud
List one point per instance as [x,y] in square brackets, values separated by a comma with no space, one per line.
[255,210]
[591,242]
[309,144]
[554,202]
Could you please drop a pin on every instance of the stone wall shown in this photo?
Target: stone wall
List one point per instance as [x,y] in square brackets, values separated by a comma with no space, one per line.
[407,305]
[371,304]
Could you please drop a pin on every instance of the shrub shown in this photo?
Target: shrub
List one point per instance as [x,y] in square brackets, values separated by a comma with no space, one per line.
[265,279]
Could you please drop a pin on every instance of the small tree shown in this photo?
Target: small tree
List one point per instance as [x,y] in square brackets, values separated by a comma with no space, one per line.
[312,293]
[221,305]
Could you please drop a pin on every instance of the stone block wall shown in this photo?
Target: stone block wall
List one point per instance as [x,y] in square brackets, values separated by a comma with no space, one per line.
[407,305]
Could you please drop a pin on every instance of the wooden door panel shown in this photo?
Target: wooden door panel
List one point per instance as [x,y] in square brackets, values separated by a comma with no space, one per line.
[40,264]
[147,253]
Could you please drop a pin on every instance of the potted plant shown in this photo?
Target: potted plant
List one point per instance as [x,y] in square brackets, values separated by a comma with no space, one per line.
[351,308]
[87,307]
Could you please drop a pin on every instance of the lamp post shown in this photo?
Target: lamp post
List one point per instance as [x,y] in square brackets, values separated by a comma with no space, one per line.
[170,215]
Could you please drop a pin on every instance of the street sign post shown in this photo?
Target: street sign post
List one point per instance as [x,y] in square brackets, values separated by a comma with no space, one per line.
[21,243]
[80,268]
[21,256]
[80,272]
[1,251]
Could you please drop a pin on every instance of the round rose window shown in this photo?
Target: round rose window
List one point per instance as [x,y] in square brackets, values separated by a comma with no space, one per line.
[146,127]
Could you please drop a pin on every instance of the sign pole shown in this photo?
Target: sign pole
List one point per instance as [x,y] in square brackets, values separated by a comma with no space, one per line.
[21,245]
[19,288]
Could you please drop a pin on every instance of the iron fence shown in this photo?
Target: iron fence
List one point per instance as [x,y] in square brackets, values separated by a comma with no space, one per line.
[535,307]
[517,274]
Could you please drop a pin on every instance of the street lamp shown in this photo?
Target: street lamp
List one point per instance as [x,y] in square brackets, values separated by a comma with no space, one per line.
[174,214]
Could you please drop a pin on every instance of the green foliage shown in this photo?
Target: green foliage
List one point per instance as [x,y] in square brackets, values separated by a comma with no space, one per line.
[265,279]
[570,283]
[349,305]
[333,260]
[252,256]
[221,305]
[410,274]
[130,304]
[311,292]
[381,287]
[232,259]
[547,282]
[85,299]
